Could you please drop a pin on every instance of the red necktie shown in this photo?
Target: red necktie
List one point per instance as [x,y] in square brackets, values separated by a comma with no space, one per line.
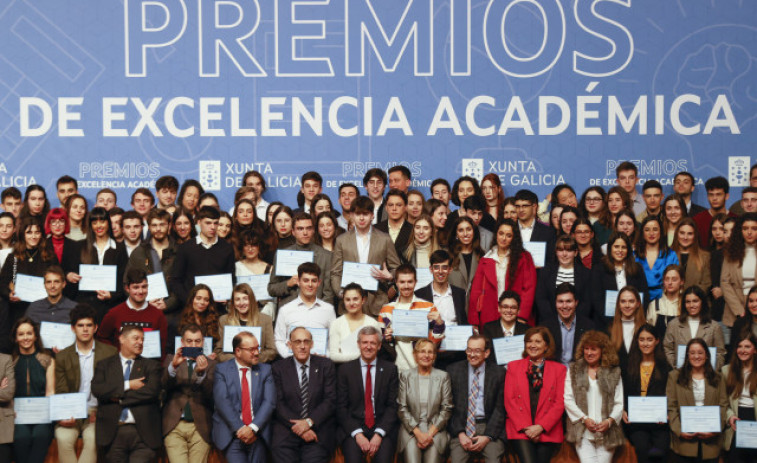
[370,420]
[246,403]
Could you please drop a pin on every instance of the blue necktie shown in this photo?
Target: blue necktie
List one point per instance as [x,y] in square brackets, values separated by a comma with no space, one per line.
[127,373]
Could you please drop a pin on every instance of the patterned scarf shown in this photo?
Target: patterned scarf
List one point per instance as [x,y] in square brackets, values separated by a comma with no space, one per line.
[535,375]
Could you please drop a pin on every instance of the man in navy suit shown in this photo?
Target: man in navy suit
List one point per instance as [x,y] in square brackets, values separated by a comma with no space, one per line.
[367,403]
[305,425]
[245,398]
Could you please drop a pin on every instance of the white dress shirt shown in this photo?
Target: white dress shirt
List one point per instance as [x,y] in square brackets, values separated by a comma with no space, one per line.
[297,313]
[248,373]
[129,416]
[446,306]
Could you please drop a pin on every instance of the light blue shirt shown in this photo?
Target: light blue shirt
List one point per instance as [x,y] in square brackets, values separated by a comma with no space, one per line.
[86,372]
[568,340]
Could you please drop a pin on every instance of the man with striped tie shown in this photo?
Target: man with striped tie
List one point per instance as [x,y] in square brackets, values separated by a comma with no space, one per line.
[304,427]
[478,418]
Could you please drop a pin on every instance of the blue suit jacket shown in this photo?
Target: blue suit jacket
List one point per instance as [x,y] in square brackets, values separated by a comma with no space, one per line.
[227,394]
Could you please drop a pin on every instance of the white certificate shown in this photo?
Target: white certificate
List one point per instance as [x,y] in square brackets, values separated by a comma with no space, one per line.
[221,285]
[97,277]
[67,406]
[456,337]
[681,354]
[258,284]
[156,286]
[611,299]
[650,409]
[701,419]
[151,345]
[320,340]
[29,288]
[746,434]
[509,348]
[410,323]
[32,410]
[229,331]
[207,345]
[423,277]
[57,335]
[538,251]
[354,272]
[287,261]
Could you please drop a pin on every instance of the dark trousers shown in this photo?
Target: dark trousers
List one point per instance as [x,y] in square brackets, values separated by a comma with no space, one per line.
[530,452]
[239,452]
[353,454]
[650,442]
[293,449]
[128,447]
[30,442]
[738,455]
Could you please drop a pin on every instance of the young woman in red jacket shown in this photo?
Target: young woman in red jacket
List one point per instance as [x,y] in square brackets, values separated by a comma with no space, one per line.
[506,266]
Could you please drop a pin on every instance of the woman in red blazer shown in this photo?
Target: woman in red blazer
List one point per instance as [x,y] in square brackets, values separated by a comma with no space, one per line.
[534,399]
[506,266]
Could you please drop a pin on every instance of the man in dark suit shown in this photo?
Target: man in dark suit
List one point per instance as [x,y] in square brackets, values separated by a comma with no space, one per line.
[71,364]
[477,430]
[396,224]
[245,398]
[508,324]
[367,403]
[449,301]
[531,230]
[188,409]
[569,326]
[566,251]
[305,425]
[127,388]
[285,288]
[366,245]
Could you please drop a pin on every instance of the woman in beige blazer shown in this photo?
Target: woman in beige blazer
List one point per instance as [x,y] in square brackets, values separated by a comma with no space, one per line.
[696,383]
[741,388]
[693,258]
[425,405]
[7,390]
[741,249]
[243,310]
[695,315]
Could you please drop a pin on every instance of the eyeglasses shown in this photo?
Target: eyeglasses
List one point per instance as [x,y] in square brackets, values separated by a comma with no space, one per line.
[474,351]
[438,268]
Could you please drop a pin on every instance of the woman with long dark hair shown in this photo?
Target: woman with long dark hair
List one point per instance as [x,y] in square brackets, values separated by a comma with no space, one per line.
[653,254]
[695,322]
[35,202]
[695,261]
[506,266]
[739,267]
[646,375]
[327,229]
[672,211]
[747,323]
[696,383]
[200,310]
[31,256]
[491,189]
[182,226]
[189,196]
[593,206]
[589,252]
[76,208]
[741,386]
[466,252]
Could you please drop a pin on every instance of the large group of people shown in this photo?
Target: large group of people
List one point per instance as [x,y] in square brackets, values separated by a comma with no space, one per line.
[451,323]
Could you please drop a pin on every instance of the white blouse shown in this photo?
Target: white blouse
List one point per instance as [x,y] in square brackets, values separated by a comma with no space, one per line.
[594,401]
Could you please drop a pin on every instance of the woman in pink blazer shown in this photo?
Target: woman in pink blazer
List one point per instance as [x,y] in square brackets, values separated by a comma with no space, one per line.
[534,399]
[506,266]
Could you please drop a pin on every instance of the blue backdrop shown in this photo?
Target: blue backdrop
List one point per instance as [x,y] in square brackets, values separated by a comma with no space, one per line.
[119,92]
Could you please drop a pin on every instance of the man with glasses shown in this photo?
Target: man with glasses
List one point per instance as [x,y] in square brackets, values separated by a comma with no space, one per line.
[285,288]
[245,398]
[449,301]
[305,425]
[478,417]
[508,324]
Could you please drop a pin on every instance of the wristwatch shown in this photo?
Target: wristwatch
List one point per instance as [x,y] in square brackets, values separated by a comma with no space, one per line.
[309,422]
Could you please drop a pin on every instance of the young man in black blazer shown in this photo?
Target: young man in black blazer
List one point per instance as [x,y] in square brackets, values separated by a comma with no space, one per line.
[568,323]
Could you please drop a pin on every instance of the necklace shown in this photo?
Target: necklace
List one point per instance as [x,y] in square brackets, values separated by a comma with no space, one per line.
[32,255]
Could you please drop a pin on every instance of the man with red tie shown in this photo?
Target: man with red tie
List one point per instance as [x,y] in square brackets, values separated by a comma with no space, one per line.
[367,403]
[245,398]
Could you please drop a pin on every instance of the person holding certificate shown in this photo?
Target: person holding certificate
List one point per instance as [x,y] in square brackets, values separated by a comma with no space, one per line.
[401,346]
[629,317]
[646,375]
[594,399]
[243,310]
[251,248]
[696,383]
[564,270]
[100,249]
[200,310]
[618,269]
[741,386]
[282,224]
[425,405]
[56,307]
[508,324]
[30,441]
[31,256]
[343,331]
[506,266]
[695,322]
[534,404]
